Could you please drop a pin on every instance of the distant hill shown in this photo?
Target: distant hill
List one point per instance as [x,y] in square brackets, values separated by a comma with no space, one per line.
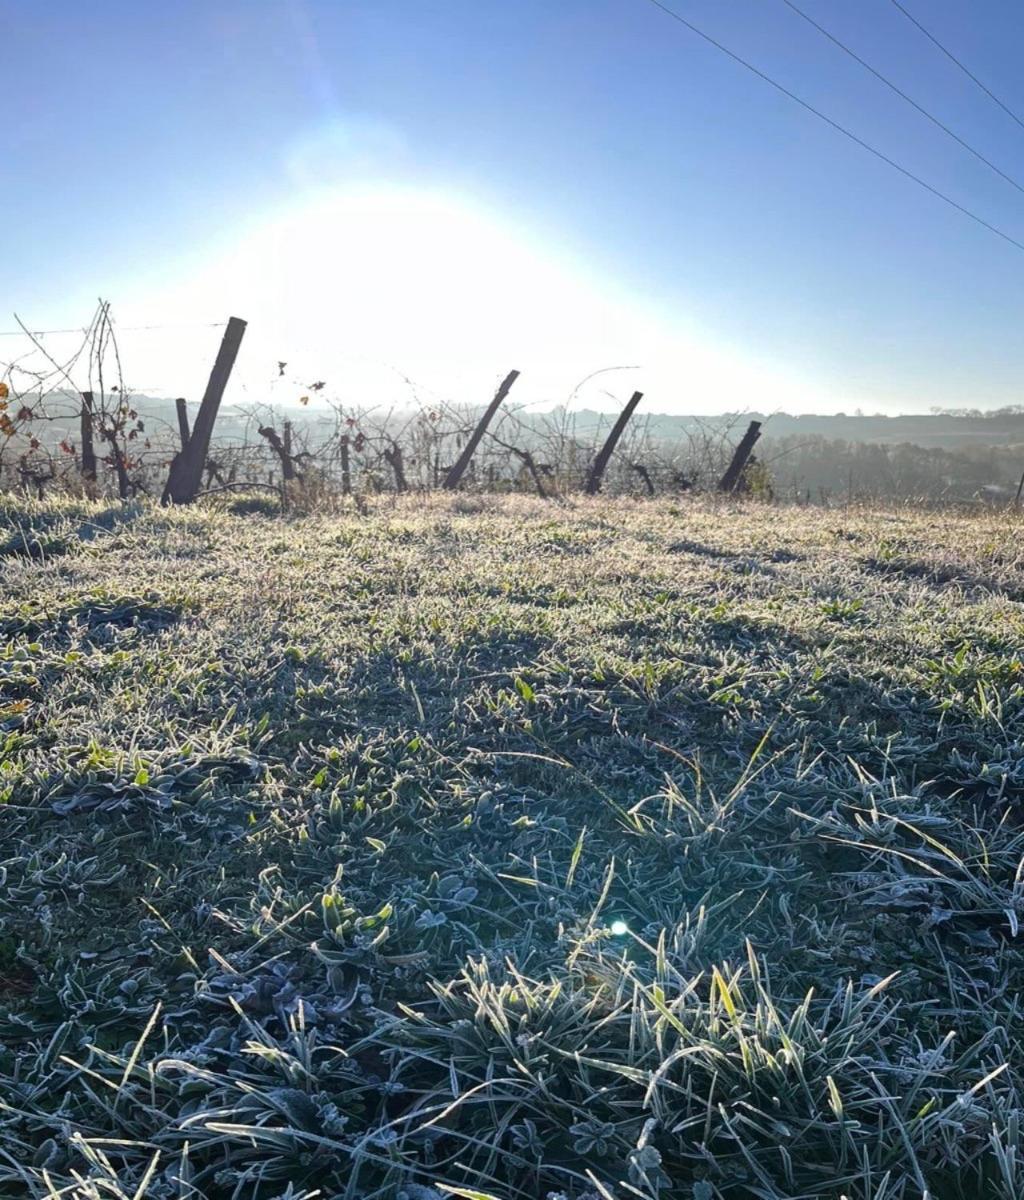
[948,430]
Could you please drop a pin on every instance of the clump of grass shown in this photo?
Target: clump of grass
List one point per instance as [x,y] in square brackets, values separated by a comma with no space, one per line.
[635,851]
[247,506]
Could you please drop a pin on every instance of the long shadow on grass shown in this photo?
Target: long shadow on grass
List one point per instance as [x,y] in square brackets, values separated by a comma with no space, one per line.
[942,576]
[43,535]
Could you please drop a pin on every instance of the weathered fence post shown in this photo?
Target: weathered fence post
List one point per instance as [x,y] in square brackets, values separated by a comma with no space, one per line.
[88,448]
[455,474]
[186,472]
[730,479]
[183,430]
[346,468]
[593,484]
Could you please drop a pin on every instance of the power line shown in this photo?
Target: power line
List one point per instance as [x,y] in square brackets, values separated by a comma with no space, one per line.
[903,96]
[836,126]
[953,58]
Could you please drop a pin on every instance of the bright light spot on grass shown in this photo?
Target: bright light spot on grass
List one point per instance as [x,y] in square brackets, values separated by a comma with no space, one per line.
[619,928]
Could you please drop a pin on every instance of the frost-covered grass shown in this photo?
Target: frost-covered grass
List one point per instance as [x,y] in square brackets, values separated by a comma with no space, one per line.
[505,849]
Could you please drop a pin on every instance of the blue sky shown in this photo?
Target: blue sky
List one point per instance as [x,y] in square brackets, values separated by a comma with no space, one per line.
[617,175]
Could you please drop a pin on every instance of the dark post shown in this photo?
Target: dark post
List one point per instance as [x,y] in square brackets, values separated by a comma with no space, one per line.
[739,460]
[346,469]
[186,473]
[183,429]
[88,449]
[593,484]
[455,474]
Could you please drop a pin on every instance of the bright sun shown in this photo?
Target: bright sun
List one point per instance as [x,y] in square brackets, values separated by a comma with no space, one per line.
[362,284]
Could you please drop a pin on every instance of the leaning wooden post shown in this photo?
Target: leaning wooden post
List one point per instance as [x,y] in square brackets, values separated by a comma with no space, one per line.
[183,430]
[88,448]
[731,478]
[455,474]
[593,484]
[186,472]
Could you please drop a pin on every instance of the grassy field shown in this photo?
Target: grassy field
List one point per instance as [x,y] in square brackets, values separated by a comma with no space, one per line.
[511,850]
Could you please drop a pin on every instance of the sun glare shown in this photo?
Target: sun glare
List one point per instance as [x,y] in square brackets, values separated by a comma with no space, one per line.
[364,286]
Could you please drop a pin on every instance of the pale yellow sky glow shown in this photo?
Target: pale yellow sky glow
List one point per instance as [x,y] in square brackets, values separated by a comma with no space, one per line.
[357,286]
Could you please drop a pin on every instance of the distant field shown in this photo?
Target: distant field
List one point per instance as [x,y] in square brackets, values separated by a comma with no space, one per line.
[503,849]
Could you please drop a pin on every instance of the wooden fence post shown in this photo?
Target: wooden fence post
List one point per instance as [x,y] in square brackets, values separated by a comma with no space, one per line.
[731,478]
[88,448]
[593,484]
[346,468]
[186,472]
[455,474]
[183,430]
